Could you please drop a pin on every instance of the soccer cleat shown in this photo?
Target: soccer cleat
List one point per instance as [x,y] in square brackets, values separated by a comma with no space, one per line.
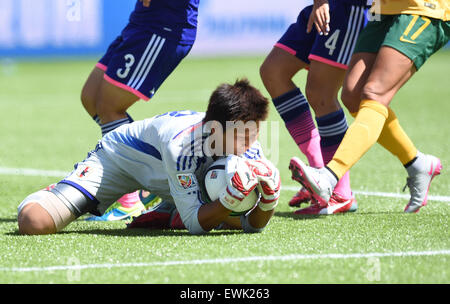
[353,207]
[150,200]
[117,212]
[317,181]
[337,204]
[419,184]
[302,196]
[175,221]
[314,208]
[158,217]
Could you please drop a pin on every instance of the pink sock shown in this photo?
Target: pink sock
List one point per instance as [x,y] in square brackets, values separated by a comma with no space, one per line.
[343,186]
[307,138]
[129,200]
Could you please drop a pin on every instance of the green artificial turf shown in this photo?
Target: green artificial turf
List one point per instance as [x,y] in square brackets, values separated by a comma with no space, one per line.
[44,127]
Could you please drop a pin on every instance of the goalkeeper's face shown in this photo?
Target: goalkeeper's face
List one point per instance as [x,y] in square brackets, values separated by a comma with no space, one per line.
[240,137]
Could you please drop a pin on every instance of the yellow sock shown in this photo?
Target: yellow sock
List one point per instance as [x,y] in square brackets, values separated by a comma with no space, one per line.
[394,139]
[360,136]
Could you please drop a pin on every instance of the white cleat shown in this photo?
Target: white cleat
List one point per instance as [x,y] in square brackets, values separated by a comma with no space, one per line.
[419,184]
[317,181]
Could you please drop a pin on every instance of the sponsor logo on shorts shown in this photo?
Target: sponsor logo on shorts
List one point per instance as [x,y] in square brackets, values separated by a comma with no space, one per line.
[213,174]
[83,171]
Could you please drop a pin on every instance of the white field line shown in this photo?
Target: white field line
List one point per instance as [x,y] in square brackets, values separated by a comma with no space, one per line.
[32,172]
[58,173]
[438,198]
[232,260]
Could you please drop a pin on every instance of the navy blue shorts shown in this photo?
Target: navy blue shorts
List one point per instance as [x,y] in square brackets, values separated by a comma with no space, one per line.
[336,49]
[140,60]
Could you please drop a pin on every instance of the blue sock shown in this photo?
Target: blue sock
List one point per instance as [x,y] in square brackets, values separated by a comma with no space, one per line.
[108,127]
[291,104]
[96,119]
[332,128]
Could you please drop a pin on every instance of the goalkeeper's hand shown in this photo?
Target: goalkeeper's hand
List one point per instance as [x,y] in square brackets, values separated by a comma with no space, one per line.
[269,183]
[240,182]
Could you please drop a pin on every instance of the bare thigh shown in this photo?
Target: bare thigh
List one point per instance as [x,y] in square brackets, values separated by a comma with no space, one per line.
[389,73]
[277,71]
[91,89]
[34,219]
[113,102]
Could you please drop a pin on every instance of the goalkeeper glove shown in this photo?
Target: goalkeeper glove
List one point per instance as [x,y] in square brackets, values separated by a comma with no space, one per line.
[240,182]
[269,183]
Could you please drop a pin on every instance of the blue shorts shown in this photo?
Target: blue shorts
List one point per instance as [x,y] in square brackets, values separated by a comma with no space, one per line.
[336,49]
[139,60]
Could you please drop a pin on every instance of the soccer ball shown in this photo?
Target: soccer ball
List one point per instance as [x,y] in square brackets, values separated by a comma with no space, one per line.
[215,182]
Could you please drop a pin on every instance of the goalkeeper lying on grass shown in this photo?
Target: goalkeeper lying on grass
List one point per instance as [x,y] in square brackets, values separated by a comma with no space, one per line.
[167,155]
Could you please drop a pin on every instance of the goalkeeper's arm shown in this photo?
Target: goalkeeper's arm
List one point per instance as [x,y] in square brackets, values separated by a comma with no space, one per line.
[255,221]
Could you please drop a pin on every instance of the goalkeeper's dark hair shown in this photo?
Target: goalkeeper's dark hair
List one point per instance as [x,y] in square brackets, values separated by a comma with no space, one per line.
[236,102]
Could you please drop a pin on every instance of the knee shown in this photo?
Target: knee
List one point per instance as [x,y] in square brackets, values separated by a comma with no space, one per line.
[88,98]
[271,73]
[351,99]
[313,92]
[266,71]
[373,91]
[320,98]
[34,220]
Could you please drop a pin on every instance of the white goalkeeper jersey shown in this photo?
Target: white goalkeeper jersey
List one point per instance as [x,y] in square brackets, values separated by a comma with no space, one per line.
[165,155]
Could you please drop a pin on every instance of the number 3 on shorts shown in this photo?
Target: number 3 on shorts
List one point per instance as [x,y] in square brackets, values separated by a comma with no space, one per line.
[129,61]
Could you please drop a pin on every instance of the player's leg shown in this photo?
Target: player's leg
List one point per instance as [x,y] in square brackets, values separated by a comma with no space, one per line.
[112,105]
[91,88]
[369,122]
[358,71]
[396,62]
[330,56]
[49,211]
[278,69]
[277,72]
[105,103]
[98,96]
[34,219]
[90,91]
[421,168]
[136,70]
[339,54]
[289,56]
[393,138]
[323,84]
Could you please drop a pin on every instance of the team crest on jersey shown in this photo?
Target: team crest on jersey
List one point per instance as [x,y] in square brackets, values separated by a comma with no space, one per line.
[186,181]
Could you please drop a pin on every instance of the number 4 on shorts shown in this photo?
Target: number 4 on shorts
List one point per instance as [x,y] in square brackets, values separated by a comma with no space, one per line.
[332,41]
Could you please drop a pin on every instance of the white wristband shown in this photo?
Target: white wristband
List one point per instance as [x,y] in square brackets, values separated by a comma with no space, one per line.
[267,206]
